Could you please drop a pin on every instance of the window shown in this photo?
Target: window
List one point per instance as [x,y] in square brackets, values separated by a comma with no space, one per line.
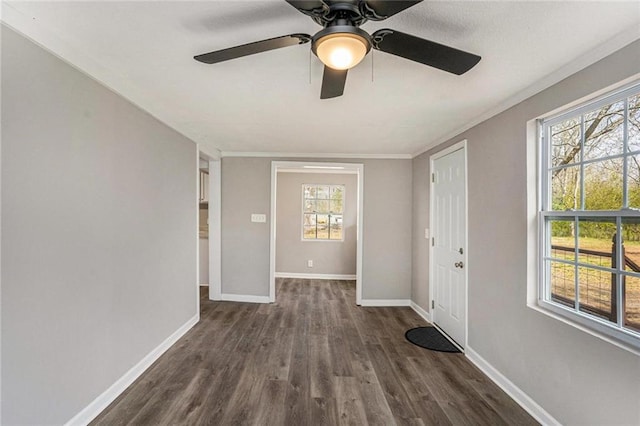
[590,217]
[322,209]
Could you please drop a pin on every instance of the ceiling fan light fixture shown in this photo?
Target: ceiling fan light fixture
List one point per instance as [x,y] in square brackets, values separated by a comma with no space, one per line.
[342,51]
[341,47]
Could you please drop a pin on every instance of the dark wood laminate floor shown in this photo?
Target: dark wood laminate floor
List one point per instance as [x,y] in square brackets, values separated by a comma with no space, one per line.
[312,358]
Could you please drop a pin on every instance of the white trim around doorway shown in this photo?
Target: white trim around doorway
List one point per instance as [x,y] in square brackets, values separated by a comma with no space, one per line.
[337,168]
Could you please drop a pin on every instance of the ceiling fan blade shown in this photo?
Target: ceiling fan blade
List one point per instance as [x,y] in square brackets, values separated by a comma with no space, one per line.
[377,10]
[424,51]
[309,7]
[252,48]
[333,82]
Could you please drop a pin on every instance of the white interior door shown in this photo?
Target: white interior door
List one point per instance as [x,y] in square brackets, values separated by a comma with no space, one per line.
[448,189]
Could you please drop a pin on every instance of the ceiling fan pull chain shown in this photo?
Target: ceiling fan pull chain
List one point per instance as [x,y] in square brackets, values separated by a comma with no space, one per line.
[310,67]
[372,66]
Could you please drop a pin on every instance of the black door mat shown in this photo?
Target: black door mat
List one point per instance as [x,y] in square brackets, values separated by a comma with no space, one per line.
[430,338]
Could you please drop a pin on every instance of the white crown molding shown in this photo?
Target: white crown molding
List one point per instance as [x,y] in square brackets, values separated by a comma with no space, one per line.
[349,277]
[385,302]
[92,410]
[592,56]
[517,394]
[314,155]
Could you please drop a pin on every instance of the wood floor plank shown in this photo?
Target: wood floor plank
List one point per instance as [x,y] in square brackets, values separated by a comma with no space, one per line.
[324,412]
[269,406]
[320,367]
[395,393]
[311,358]
[351,409]
[298,396]
[375,404]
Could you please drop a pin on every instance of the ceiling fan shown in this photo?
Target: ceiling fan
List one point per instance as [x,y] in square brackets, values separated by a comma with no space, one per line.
[341,44]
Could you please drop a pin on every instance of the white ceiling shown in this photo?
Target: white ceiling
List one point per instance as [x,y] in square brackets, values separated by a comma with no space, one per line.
[270,102]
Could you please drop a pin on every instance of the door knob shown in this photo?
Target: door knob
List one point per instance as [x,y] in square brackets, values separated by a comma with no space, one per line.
[459,265]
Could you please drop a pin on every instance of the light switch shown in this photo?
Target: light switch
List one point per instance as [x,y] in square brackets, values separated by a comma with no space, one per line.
[259,218]
[426,233]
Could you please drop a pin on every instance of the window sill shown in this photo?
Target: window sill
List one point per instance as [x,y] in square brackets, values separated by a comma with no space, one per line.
[619,338]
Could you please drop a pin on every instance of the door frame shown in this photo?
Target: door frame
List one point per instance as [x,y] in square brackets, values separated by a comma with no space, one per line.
[215,230]
[314,167]
[462,145]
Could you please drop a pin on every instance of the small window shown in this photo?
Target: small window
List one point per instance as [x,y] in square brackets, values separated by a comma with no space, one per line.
[590,222]
[322,210]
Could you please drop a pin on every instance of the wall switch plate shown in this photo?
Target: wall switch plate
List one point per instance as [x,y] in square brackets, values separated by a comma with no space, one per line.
[310,263]
[259,218]
[426,233]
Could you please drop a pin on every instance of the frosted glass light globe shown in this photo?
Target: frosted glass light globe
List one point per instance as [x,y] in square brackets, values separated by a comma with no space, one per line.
[341,51]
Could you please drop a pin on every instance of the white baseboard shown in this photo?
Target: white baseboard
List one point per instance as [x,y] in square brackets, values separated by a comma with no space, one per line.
[245,298]
[424,314]
[524,400]
[385,302]
[92,410]
[315,276]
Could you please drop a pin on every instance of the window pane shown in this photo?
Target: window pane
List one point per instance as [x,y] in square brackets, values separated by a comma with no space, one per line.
[310,232]
[309,206]
[603,130]
[565,142]
[337,194]
[595,241]
[631,243]
[563,243]
[565,187]
[634,123]
[597,290]
[322,206]
[563,288]
[336,227]
[323,192]
[309,220]
[309,191]
[323,226]
[633,181]
[632,303]
[603,185]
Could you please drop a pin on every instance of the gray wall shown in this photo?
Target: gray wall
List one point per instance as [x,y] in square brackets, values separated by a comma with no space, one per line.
[577,378]
[98,235]
[246,188]
[329,257]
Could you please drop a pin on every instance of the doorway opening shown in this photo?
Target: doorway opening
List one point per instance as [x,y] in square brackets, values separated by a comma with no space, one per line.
[449,243]
[203,227]
[316,222]
[209,231]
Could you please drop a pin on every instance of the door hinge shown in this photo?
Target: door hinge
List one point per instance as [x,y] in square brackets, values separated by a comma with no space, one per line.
[433,241]
[433,304]
[433,177]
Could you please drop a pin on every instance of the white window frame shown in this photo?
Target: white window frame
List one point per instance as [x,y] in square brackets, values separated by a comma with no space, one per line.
[613,332]
[333,240]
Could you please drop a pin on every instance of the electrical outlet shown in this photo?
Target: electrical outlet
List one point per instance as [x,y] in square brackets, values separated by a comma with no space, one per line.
[310,263]
[259,218]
